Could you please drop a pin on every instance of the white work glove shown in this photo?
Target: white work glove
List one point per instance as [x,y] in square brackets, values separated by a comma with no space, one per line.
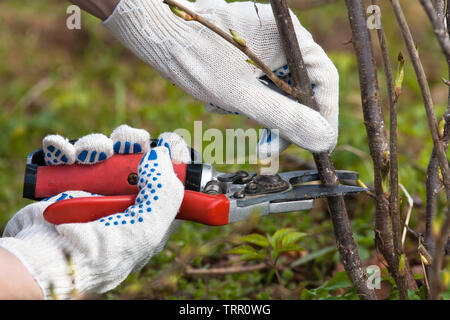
[78,259]
[213,71]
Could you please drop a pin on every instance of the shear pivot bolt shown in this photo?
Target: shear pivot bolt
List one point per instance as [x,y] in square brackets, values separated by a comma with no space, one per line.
[132,179]
[212,187]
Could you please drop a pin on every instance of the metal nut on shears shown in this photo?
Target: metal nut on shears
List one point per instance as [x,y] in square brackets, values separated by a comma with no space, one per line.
[212,187]
[239,177]
[263,184]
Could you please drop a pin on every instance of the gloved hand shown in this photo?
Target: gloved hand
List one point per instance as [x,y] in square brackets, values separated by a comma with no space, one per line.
[78,259]
[212,70]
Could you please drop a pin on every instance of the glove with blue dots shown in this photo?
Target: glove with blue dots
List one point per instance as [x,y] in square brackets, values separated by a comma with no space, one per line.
[95,147]
[78,259]
[211,70]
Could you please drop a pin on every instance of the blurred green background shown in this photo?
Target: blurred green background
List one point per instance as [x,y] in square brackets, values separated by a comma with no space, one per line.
[75,82]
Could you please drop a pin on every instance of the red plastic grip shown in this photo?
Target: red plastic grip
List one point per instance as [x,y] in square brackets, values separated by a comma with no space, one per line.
[212,210]
[206,209]
[86,209]
[109,177]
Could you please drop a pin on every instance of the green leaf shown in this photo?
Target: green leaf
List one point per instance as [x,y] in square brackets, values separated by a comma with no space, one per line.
[293,247]
[338,285]
[308,294]
[244,249]
[412,295]
[259,255]
[256,239]
[313,255]
[278,235]
[400,74]
[274,254]
[338,277]
[291,238]
[324,292]
[287,274]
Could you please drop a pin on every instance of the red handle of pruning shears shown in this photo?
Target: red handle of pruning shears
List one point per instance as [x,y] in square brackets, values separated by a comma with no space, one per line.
[116,179]
[207,209]
[115,176]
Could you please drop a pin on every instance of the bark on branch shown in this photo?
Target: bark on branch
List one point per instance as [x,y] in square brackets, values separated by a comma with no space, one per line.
[405,278]
[341,225]
[432,123]
[436,14]
[375,127]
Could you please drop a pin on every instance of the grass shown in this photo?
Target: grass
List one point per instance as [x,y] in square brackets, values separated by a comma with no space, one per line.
[53,80]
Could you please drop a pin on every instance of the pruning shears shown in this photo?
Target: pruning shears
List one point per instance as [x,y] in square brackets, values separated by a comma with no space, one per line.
[211,197]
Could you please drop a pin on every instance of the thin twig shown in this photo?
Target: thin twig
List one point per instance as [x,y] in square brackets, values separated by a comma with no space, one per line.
[433,188]
[283,85]
[432,122]
[224,271]
[438,27]
[421,253]
[294,57]
[401,278]
[408,213]
[369,192]
[433,183]
[375,126]
[413,232]
[257,12]
[426,94]
[341,225]
[439,252]
[274,265]
[439,6]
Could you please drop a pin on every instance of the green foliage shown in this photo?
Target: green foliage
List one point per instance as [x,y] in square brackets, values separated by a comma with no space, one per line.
[285,240]
[53,80]
[248,253]
[325,292]
[446,294]
[419,294]
[256,239]
[269,249]
[281,241]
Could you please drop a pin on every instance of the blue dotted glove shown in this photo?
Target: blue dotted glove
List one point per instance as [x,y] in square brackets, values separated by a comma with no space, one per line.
[103,252]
